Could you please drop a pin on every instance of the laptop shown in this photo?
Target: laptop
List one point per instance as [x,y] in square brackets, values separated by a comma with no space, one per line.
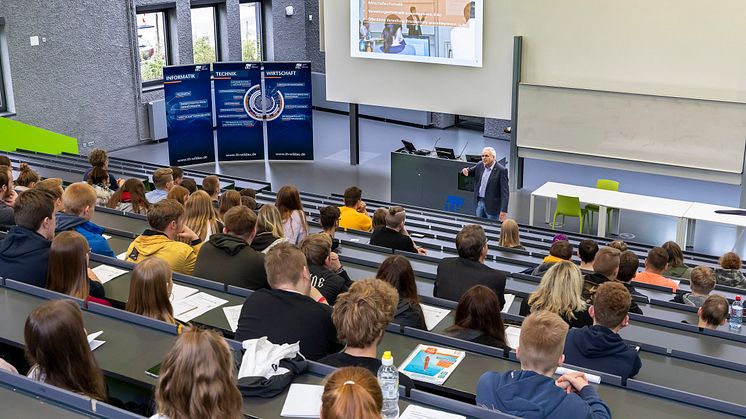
[445,153]
[412,150]
[473,158]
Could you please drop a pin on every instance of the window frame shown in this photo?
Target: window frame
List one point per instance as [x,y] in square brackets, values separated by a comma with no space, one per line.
[215,28]
[166,42]
[259,26]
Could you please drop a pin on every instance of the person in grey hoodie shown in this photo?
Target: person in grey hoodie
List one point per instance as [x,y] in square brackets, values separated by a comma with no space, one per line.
[599,347]
[729,273]
[533,392]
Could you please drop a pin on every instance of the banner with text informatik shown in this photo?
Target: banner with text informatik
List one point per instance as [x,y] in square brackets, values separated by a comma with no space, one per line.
[239,129]
[188,97]
[288,110]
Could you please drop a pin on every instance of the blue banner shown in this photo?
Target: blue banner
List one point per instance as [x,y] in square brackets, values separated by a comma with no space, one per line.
[237,91]
[288,110]
[188,94]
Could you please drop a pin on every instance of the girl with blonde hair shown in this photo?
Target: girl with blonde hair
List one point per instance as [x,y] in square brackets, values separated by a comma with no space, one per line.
[198,379]
[269,231]
[509,236]
[560,292]
[351,392]
[150,289]
[201,217]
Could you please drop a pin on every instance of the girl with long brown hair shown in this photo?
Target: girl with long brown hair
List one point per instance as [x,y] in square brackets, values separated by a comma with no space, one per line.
[478,318]
[228,200]
[351,392]
[130,198]
[198,379]
[291,210]
[201,217]
[397,271]
[179,193]
[68,272]
[58,350]
[150,289]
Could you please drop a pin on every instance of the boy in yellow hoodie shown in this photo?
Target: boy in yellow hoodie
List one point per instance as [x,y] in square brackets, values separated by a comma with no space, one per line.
[168,238]
[560,251]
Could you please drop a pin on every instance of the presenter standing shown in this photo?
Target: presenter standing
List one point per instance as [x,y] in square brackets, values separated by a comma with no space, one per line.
[491,191]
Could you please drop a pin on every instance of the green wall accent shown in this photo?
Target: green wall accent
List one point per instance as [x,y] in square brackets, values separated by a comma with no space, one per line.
[14,134]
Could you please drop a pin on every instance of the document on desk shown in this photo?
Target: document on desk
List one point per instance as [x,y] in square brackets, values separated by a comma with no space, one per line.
[419,412]
[431,364]
[196,305]
[232,314]
[93,343]
[509,298]
[303,401]
[122,256]
[433,315]
[513,335]
[106,236]
[592,378]
[180,292]
[106,273]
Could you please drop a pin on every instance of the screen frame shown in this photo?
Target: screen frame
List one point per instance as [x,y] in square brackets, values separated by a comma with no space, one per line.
[478,30]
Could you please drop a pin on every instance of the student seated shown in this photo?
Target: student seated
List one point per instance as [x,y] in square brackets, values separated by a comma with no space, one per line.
[456,275]
[676,266]
[150,290]
[353,214]
[329,220]
[163,179]
[713,313]
[628,264]
[130,198]
[327,273]
[178,174]
[190,184]
[6,190]
[79,200]
[287,313]
[619,245]
[9,197]
[26,179]
[211,185]
[68,269]
[478,319]
[560,292]
[250,193]
[729,273]
[58,350]
[587,250]
[269,232]
[351,392]
[397,271]
[599,347]
[201,216]
[393,235]
[99,158]
[560,251]
[702,281]
[291,210]
[533,392]
[655,264]
[361,316]
[509,236]
[178,193]
[198,379]
[379,218]
[228,200]
[605,268]
[99,180]
[24,251]
[162,239]
[228,257]
[52,186]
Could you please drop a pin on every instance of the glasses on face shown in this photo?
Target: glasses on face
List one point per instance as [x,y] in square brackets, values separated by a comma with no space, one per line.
[486,155]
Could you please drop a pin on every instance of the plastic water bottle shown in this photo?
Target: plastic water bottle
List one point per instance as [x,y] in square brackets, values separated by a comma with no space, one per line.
[736,314]
[388,378]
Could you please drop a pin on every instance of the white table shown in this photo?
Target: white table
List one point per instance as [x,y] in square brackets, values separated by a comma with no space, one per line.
[613,199]
[706,212]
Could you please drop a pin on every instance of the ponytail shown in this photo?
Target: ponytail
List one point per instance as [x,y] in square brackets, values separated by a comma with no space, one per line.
[351,392]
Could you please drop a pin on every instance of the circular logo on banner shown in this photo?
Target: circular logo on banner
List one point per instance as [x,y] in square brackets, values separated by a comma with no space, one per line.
[263,107]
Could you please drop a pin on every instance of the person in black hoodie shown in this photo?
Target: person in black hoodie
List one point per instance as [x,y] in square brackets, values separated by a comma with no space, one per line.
[327,274]
[397,271]
[628,264]
[599,347]
[229,258]
[24,252]
[393,235]
[605,268]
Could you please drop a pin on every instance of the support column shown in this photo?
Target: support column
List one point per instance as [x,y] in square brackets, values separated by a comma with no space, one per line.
[354,134]
[516,163]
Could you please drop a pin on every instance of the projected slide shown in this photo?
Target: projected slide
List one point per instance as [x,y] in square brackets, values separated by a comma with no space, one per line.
[429,31]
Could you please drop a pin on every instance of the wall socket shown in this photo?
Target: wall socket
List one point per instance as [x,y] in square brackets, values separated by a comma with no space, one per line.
[88,144]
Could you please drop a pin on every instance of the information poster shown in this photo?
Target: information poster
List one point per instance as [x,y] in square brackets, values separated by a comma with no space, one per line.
[238,94]
[188,98]
[288,110]
[431,364]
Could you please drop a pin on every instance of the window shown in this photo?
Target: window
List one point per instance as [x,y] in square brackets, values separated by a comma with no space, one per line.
[152,41]
[205,35]
[251,46]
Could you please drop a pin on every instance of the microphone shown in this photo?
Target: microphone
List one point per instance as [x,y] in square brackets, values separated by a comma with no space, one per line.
[462,151]
[436,143]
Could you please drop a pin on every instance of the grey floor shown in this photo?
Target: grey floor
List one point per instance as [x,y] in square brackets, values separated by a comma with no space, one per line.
[331,172]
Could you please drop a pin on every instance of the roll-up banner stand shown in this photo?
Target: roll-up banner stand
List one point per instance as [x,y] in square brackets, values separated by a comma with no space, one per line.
[238,95]
[188,98]
[288,110]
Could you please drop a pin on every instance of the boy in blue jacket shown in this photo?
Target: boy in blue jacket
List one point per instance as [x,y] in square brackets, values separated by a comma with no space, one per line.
[79,200]
[599,347]
[532,392]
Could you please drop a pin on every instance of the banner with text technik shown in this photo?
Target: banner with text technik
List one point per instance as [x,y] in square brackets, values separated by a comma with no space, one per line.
[188,98]
[288,110]
[238,92]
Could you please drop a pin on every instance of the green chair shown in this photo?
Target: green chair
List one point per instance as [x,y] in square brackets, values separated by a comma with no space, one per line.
[569,206]
[606,184]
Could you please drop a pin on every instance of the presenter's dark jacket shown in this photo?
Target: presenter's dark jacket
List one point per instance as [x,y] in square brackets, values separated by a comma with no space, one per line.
[599,348]
[386,237]
[24,255]
[456,275]
[289,317]
[341,360]
[230,260]
[329,284]
[409,314]
[497,194]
